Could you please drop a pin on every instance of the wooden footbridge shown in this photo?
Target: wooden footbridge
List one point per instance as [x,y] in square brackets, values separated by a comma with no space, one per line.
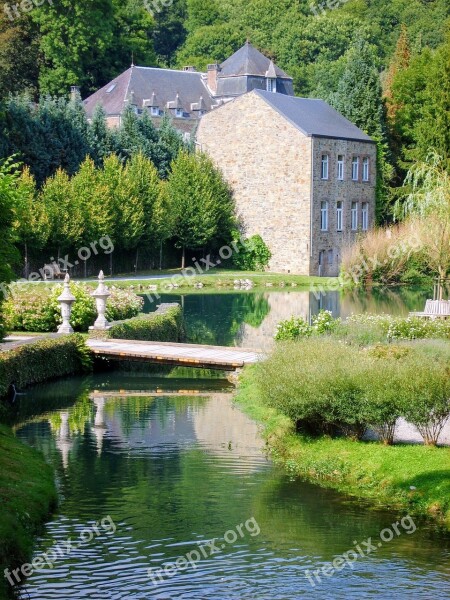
[180,355]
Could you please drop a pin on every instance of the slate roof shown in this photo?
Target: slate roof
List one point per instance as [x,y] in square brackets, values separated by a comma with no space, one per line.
[248,61]
[314,118]
[179,88]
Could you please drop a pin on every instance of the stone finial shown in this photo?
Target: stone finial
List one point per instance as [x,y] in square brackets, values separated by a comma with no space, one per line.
[101,294]
[66,299]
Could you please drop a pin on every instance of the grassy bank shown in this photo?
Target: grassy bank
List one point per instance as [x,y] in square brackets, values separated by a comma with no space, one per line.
[216,279]
[27,497]
[410,478]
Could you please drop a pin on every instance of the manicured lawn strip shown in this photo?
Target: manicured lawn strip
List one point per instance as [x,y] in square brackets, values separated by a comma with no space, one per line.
[216,279]
[384,475]
[27,496]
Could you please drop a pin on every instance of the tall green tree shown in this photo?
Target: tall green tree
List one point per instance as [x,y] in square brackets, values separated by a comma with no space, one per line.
[9,198]
[31,220]
[200,202]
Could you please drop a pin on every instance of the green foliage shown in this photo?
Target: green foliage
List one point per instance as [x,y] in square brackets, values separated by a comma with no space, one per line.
[161,327]
[253,254]
[43,360]
[39,311]
[293,329]
[28,496]
[200,202]
[325,386]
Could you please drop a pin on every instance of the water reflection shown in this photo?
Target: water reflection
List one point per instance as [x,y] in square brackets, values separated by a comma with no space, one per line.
[250,318]
[174,471]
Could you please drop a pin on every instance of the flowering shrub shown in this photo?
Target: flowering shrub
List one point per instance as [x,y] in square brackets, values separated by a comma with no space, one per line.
[293,329]
[38,309]
[324,322]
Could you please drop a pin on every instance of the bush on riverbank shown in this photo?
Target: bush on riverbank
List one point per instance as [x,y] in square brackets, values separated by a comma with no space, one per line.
[327,387]
[407,477]
[38,310]
[364,329]
[43,360]
[27,497]
[164,326]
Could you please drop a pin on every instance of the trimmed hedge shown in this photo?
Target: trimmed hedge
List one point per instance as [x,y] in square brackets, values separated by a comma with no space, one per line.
[164,325]
[42,360]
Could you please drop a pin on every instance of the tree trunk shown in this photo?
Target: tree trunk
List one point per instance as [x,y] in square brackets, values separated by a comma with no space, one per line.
[85,269]
[111,264]
[26,261]
[183,257]
[136,261]
[160,255]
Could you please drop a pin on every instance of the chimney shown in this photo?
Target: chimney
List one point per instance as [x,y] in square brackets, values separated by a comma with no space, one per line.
[75,93]
[190,69]
[213,71]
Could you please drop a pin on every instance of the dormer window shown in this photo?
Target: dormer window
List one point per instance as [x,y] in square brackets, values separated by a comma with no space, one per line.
[154,111]
[179,112]
[271,84]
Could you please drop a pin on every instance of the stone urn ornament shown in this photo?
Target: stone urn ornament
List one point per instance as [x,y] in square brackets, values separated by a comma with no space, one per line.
[66,299]
[101,295]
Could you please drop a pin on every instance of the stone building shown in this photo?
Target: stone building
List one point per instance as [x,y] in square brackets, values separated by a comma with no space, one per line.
[303,176]
[187,95]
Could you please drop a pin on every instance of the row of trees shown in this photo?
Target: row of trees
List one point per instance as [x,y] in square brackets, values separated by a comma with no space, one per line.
[128,203]
[55,134]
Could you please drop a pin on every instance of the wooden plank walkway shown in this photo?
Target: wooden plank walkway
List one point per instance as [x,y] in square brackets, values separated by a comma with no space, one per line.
[183,355]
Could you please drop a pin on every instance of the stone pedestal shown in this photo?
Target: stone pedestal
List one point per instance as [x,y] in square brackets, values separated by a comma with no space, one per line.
[66,299]
[101,295]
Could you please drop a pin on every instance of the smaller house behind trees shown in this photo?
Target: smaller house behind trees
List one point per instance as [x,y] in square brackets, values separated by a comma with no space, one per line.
[303,176]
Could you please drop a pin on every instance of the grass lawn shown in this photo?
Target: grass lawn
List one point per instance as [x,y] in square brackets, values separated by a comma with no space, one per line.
[27,496]
[410,478]
[217,279]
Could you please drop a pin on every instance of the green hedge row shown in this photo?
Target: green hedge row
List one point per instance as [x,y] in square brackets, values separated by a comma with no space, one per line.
[327,387]
[42,360]
[161,326]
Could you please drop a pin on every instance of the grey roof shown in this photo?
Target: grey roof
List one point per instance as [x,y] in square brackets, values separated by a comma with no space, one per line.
[248,61]
[314,118]
[140,83]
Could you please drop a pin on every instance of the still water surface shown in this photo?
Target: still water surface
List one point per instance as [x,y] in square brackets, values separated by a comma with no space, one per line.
[173,472]
[250,318]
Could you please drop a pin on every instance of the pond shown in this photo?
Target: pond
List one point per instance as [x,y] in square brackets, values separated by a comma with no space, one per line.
[249,318]
[150,470]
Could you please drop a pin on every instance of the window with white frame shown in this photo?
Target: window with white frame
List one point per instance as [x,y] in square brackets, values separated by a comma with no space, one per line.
[154,111]
[355,168]
[365,216]
[330,257]
[365,169]
[324,167]
[340,167]
[179,112]
[271,84]
[354,216]
[339,211]
[324,216]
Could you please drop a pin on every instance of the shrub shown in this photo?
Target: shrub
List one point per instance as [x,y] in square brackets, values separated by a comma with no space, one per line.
[43,360]
[253,255]
[293,329]
[426,394]
[37,309]
[164,326]
[324,322]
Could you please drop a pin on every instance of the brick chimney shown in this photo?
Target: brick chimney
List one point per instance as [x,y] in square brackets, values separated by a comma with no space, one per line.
[213,72]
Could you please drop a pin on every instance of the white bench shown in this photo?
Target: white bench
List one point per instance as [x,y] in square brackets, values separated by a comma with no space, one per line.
[434,309]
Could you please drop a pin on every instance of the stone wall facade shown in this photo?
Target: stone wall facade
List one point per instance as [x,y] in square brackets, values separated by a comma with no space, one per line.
[268,163]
